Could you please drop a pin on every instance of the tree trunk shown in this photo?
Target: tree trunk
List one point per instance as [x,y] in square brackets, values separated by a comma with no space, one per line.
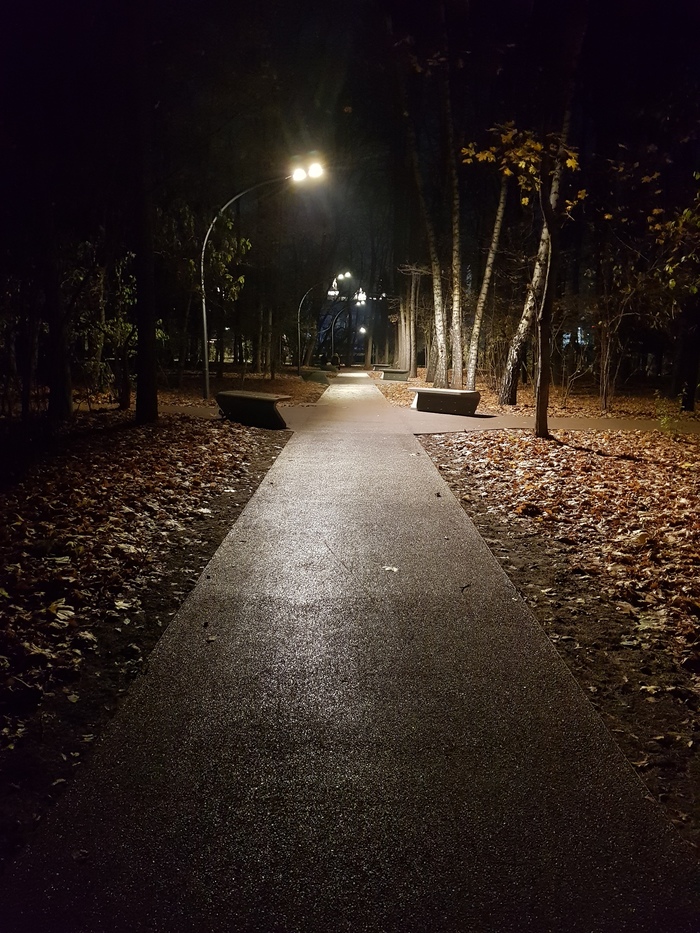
[146,348]
[440,369]
[258,343]
[144,259]
[473,357]
[431,361]
[310,347]
[369,344]
[268,343]
[184,342]
[604,382]
[543,373]
[401,351]
[509,384]
[60,380]
[23,357]
[350,338]
[413,311]
[96,339]
[220,343]
[123,378]
[456,321]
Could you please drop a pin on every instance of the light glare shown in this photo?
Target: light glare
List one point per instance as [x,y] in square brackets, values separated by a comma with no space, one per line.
[299,174]
[315,170]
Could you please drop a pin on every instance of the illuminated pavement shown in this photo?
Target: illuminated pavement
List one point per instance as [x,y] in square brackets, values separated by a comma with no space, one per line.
[354,724]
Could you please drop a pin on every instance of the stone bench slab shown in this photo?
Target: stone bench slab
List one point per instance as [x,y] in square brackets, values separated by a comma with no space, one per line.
[395,375]
[254,409]
[317,375]
[445,401]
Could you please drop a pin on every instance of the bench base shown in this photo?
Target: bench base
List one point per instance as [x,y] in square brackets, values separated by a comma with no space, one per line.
[445,401]
[254,409]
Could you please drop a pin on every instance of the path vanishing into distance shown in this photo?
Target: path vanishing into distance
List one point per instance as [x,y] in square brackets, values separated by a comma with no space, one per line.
[355,724]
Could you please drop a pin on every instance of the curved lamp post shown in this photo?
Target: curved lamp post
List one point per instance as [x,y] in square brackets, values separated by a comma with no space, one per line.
[359,298]
[333,292]
[315,170]
[301,304]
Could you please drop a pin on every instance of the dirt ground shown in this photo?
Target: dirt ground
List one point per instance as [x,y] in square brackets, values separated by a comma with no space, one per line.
[87,590]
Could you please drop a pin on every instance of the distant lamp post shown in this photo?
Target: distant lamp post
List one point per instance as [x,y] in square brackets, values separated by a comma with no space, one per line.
[334,292]
[314,170]
[301,304]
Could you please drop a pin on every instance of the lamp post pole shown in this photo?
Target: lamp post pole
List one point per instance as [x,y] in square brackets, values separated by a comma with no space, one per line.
[359,299]
[314,171]
[337,315]
[306,295]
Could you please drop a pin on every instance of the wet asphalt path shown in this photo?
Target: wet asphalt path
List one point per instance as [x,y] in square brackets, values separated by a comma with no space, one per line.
[354,724]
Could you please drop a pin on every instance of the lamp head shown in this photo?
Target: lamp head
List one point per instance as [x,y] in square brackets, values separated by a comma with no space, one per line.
[313,170]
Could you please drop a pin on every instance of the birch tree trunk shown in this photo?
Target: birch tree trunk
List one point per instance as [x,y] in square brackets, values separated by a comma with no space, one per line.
[473,355]
[577,19]
[508,394]
[60,378]
[415,289]
[402,333]
[544,319]
[456,321]
[144,260]
[509,385]
[440,370]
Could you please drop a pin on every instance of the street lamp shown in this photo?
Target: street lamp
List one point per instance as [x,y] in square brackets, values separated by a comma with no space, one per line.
[359,298]
[332,292]
[315,170]
[306,294]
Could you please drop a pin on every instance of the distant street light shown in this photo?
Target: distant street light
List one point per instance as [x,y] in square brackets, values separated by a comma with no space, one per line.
[315,170]
[359,298]
[334,291]
[306,294]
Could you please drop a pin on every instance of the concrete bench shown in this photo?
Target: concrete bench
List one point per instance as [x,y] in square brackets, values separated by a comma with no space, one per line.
[395,375]
[380,367]
[316,375]
[445,401]
[255,409]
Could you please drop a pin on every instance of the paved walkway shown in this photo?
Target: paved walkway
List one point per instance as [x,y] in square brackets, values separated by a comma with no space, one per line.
[354,724]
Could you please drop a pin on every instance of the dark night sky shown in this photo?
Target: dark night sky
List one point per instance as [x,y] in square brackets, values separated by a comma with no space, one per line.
[238,87]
